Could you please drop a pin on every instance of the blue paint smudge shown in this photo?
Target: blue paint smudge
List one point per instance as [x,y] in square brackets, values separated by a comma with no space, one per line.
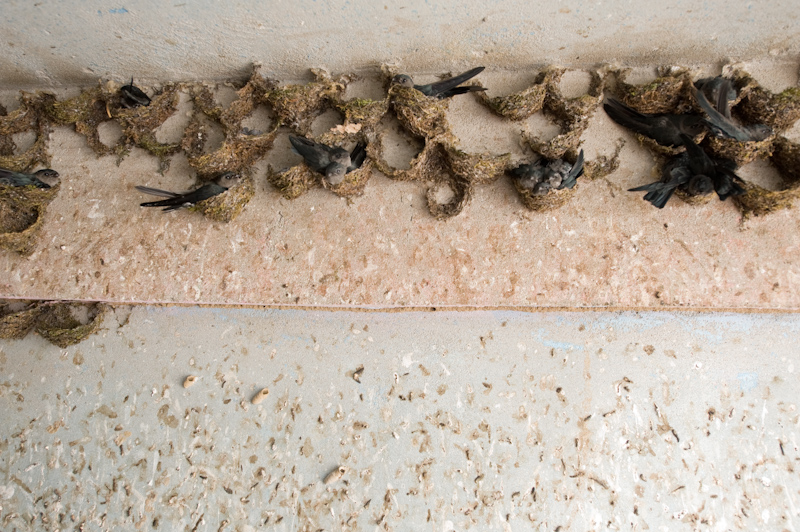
[554,344]
[747,381]
[118,11]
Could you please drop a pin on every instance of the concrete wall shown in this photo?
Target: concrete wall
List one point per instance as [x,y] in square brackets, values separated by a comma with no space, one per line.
[67,42]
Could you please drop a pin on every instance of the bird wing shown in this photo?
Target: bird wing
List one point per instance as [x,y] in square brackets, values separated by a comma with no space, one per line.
[157,192]
[716,120]
[450,83]
[574,173]
[316,156]
[357,156]
[699,162]
[627,117]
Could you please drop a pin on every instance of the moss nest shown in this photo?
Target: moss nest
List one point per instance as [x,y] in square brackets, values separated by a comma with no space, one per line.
[66,324]
[17,318]
[478,169]
[139,124]
[238,152]
[293,182]
[694,199]
[522,104]
[226,206]
[22,215]
[758,201]
[298,105]
[571,114]
[668,93]
[354,182]
[421,115]
[739,152]
[363,112]
[759,106]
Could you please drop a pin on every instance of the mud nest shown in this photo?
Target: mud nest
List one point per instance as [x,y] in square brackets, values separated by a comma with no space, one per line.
[63,324]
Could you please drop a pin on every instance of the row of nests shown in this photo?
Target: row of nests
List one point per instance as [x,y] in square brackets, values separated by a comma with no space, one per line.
[60,323]
[440,163]
[672,92]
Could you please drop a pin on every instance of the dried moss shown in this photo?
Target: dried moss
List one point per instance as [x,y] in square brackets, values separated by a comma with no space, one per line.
[298,105]
[739,152]
[375,153]
[572,113]
[227,206]
[58,324]
[665,94]
[601,166]
[694,199]
[86,112]
[363,112]
[556,147]
[478,169]
[520,105]
[238,152]
[139,125]
[779,111]
[22,215]
[354,182]
[758,201]
[17,319]
[294,182]
[421,115]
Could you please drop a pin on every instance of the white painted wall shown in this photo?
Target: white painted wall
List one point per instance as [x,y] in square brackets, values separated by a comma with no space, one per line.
[75,42]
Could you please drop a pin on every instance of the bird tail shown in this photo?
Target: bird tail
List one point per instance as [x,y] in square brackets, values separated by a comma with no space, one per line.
[658,193]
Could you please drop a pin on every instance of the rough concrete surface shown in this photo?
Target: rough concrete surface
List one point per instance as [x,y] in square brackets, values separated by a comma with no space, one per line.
[607,247]
[68,43]
[476,421]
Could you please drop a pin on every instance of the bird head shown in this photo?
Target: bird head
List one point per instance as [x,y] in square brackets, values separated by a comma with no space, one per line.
[700,185]
[403,80]
[47,176]
[228,179]
[335,173]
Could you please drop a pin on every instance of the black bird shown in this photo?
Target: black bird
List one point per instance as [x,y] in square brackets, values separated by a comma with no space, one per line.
[665,129]
[722,172]
[332,162]
[544,175]
[675,173]
[44,178]
[712,88]
[442,89]
[719,118]
[187,199]
[132,96]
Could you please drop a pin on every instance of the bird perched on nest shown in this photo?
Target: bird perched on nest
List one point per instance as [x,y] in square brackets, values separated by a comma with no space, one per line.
[442,89]
[187,199]
[719,116]
[44,178]
[695,173]
[132,96]
[666,129]
[548,174]
[332,162]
